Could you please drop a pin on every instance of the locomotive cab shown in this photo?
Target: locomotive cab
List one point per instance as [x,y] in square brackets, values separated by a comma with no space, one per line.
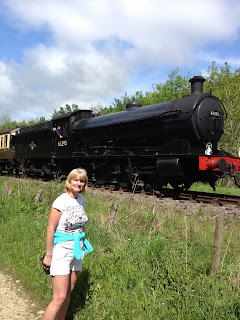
[66,144]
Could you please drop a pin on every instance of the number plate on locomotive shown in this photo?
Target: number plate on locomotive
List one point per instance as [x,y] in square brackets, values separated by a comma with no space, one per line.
[214,113]
[62,143]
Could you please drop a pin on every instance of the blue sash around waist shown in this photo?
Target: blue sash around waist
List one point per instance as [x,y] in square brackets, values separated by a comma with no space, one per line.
[76,237]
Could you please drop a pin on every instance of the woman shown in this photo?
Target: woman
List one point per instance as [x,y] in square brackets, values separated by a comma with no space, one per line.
[66,243]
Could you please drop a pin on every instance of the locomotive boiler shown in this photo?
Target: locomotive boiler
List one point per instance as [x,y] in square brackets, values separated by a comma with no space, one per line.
[197,119]
[166,143]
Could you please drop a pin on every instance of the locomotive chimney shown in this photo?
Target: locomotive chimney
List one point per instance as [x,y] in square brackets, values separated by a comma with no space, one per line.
[197,84]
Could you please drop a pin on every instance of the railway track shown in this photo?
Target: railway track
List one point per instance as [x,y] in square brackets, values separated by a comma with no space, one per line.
[198,197]
[192,196]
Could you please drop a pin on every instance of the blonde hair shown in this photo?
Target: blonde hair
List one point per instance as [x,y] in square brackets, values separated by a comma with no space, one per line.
[76,173]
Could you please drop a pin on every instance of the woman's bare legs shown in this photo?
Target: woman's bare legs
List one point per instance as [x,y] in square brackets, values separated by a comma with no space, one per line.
[73,279]
[62,288]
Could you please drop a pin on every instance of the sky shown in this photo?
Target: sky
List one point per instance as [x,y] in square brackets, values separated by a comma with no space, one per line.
[88,52]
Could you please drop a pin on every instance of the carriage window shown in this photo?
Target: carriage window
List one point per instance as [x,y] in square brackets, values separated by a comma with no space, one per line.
[6,140]
[1,142]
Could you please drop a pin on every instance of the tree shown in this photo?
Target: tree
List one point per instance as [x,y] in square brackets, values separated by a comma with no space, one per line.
[226,86]
[7,123]
[174,88]
[64,110]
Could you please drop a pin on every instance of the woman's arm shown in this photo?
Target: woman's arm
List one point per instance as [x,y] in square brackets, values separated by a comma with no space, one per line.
[52,224]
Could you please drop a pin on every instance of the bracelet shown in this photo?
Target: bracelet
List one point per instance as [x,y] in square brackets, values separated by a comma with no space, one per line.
[48,255]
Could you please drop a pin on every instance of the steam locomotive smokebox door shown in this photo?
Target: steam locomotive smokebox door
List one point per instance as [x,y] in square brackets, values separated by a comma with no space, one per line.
[169,167]
[209,120]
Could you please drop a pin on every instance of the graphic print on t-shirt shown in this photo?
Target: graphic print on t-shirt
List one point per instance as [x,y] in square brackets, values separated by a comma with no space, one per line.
[75,218]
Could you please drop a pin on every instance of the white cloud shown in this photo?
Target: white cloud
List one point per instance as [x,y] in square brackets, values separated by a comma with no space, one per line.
[97,45]
[6,83]
[214,56]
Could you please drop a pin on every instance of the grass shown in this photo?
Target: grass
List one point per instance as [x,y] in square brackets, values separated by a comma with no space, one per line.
[225,187]
[152,263]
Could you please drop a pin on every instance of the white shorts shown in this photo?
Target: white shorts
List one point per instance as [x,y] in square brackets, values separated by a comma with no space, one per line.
[63,259]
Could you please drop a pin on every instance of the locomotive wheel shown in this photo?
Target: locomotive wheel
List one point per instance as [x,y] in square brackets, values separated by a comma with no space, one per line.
[237,179]
[180,187]
[58,174]
[37,174]
[123,184]
[123,179]
[10,171]
[102,175]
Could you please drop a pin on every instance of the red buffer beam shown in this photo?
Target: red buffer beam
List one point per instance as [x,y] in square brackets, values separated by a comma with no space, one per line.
[223,164]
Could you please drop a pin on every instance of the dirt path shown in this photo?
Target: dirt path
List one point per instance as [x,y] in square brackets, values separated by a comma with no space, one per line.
[14,303]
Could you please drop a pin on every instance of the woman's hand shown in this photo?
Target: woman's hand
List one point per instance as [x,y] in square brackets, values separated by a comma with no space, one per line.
[47,262]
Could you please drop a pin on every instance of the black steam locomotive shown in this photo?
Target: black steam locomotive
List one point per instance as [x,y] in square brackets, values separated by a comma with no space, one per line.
[173,142]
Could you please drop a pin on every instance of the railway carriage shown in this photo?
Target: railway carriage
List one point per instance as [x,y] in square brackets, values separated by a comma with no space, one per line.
[7,148]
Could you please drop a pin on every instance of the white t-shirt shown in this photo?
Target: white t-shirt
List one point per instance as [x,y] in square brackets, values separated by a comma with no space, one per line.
[73,217]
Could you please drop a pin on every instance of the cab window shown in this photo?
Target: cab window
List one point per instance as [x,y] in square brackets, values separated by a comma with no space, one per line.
[65,129]
[72,120]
